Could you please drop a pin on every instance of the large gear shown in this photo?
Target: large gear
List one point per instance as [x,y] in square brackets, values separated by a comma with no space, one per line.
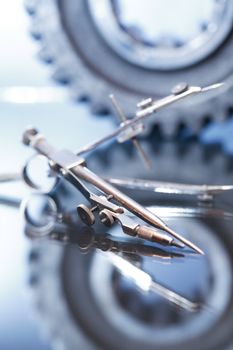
[72,306]
[84,57]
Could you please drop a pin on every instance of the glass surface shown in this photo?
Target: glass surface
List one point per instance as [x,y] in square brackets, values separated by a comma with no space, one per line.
[153,292]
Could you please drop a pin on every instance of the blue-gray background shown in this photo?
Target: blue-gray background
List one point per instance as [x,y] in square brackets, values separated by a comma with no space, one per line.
[63,122]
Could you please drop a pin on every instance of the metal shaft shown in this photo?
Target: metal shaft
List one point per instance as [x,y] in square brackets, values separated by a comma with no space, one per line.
[133,206]
[69,163]
[141,115]
[147,112]
[169,187]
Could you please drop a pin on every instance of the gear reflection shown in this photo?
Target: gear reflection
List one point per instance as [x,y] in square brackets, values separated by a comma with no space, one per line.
[100,301]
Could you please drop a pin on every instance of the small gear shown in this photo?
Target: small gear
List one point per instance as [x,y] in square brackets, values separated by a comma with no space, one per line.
[88,55]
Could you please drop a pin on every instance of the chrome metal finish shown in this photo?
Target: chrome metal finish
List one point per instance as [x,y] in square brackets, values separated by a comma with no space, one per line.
[171,188]
[132,228]
[67,160]
[144,113]
[145,103]
[144,281]
[75,173]
[117,251]
[190,212]
[164,102]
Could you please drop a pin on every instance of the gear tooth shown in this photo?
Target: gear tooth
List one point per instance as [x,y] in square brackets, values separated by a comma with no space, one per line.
[206,120]
[45,55]
[181,130]
[215,110]
[35,30]
[99,108]
[30,6]
[61,75]
[162,128]
[130,106]
[194,122]
[221,116]
[64,71]
[34,255]
[33,280]
[229,112]
[77,93]
[155,131]
[168,127]
[225,102]
[99,102]
[147,131]
[169,130]
[218,110]
[187,119]
[195,127]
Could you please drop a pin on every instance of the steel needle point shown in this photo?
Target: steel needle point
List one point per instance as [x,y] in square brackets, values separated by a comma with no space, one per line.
[145,113]
[185,241]
[75,170]
[212,87]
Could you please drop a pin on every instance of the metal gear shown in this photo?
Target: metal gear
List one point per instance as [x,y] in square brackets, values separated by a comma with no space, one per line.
[63,281]
[83,56]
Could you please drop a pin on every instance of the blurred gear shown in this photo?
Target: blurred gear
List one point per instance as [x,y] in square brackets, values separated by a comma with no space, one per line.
[71,289]
[102,47]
